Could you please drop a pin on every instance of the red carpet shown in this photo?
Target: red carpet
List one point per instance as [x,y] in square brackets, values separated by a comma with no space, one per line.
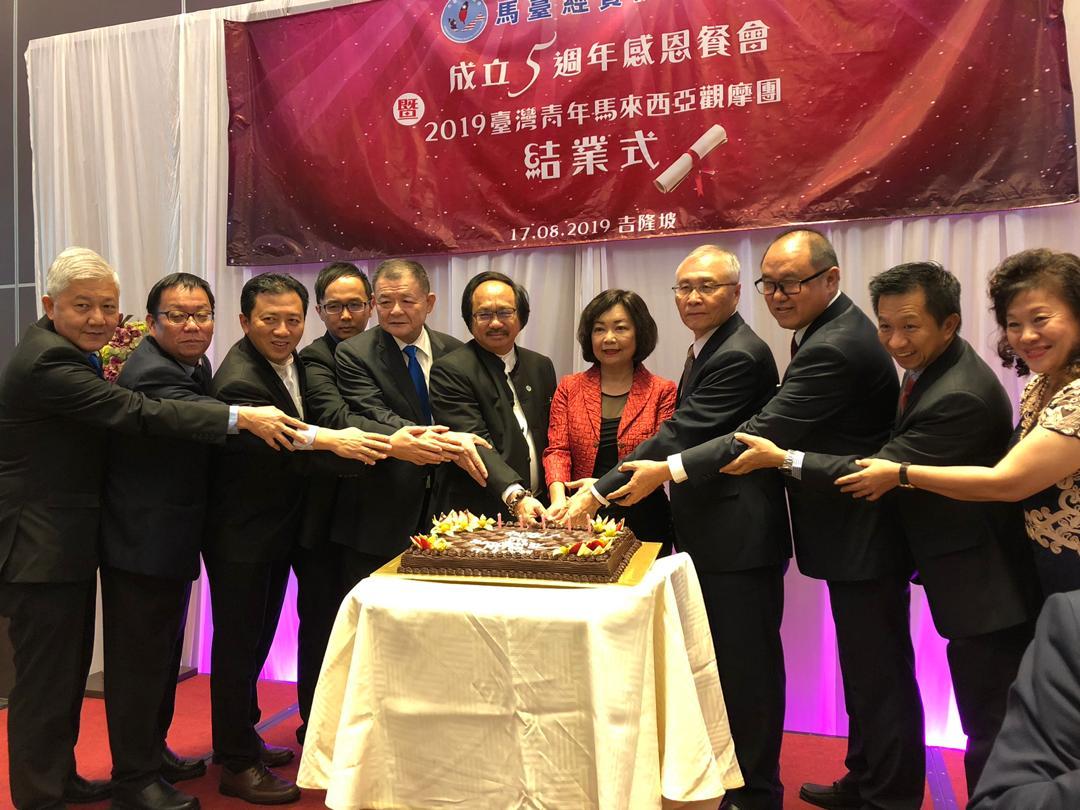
[805,757]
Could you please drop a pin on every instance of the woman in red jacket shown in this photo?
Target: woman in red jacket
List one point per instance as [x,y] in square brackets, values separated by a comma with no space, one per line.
[600,415]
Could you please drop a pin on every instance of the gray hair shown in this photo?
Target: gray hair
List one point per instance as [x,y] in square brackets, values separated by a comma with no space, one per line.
[711,253]
[77,264]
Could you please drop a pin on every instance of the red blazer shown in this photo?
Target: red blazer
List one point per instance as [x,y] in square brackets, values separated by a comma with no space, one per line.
[574,426]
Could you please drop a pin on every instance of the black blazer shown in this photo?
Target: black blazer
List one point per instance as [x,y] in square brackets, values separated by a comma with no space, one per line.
[1035,762]
[838,395]
[470,393]
[324,406]
[727,523]
[155,488]
[258,495]
[55,414]
[378,515]
[957,414]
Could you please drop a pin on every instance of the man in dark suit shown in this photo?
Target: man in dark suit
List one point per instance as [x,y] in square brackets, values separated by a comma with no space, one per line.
[1035,762]
[837,396]
[254,525]
[151,532]
[493,388]
[55,413]
[383,375]
[735,529]
[343,303]
[972,558]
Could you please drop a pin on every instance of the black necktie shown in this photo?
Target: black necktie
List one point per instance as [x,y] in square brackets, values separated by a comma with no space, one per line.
[794,345]
[201,377]
[688,366]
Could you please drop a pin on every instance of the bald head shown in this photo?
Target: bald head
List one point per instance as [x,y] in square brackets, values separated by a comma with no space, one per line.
[804,261]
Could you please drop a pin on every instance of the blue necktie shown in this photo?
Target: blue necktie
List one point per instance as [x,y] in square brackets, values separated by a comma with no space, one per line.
[417,375]
[95,361]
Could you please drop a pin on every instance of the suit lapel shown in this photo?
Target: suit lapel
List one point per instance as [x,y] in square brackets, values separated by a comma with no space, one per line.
[949,358]
[722,333]
[393,363]
[833,311]
[271,379]
[518,451]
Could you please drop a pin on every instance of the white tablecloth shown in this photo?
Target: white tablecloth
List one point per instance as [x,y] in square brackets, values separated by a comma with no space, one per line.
[440,695]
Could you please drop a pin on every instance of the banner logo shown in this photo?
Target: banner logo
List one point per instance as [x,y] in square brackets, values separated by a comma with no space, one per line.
[464,20]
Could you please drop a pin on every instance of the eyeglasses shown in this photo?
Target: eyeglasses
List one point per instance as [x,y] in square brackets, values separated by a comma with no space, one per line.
[404,303]
[487,317]
[704,290]
[354,307]
[177,317]
[788,286]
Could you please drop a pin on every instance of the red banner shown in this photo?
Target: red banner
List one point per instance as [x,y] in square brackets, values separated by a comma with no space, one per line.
[405,127]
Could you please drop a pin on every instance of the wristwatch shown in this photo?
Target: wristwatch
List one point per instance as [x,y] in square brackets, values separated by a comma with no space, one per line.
[789,462]
[904,483]
[516,497]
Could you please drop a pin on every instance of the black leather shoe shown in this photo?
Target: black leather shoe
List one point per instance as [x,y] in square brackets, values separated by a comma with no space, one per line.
[86,791]
[258,785]
[158,795]
[276,755]
[175,768]
[838,794]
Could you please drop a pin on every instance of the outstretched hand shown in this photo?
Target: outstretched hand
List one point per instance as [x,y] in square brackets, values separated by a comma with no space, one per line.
[876,478]
[646,477]
[272,425]
[760,453]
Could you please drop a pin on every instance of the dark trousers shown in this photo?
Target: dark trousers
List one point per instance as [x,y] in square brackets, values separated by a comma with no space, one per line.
[983,668]
[246,598]
[356,565]
[744,610]
[319,591]
[52,634]
[143,623]
[886,757]
[168,699]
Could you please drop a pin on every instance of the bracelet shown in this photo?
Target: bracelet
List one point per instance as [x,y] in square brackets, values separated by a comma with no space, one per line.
[904,482]
[789,463]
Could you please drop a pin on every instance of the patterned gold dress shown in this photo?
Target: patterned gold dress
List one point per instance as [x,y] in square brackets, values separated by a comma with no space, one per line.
[1052,517]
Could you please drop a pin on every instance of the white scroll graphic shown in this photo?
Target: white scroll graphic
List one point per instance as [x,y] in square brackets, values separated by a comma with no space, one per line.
[677,171]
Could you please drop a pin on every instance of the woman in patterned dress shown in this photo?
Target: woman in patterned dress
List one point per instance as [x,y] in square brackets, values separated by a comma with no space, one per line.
[1036,300]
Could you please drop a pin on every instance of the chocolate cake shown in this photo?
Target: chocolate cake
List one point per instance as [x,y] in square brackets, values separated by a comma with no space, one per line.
[464,545]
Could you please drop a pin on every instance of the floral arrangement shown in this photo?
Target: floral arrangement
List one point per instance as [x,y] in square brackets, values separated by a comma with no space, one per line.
[450,524]
[127,336]
[604,530]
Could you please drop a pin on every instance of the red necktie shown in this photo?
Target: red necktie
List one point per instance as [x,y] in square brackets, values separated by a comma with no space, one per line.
[909,383]
[794,345]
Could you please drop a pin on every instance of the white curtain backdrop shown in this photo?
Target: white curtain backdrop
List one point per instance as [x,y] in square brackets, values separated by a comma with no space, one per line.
[130,158]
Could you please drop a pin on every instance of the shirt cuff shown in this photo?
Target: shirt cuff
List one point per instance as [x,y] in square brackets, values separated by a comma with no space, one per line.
[234,417]
[596,494]
[796,464]
[307,439]
[678,472]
